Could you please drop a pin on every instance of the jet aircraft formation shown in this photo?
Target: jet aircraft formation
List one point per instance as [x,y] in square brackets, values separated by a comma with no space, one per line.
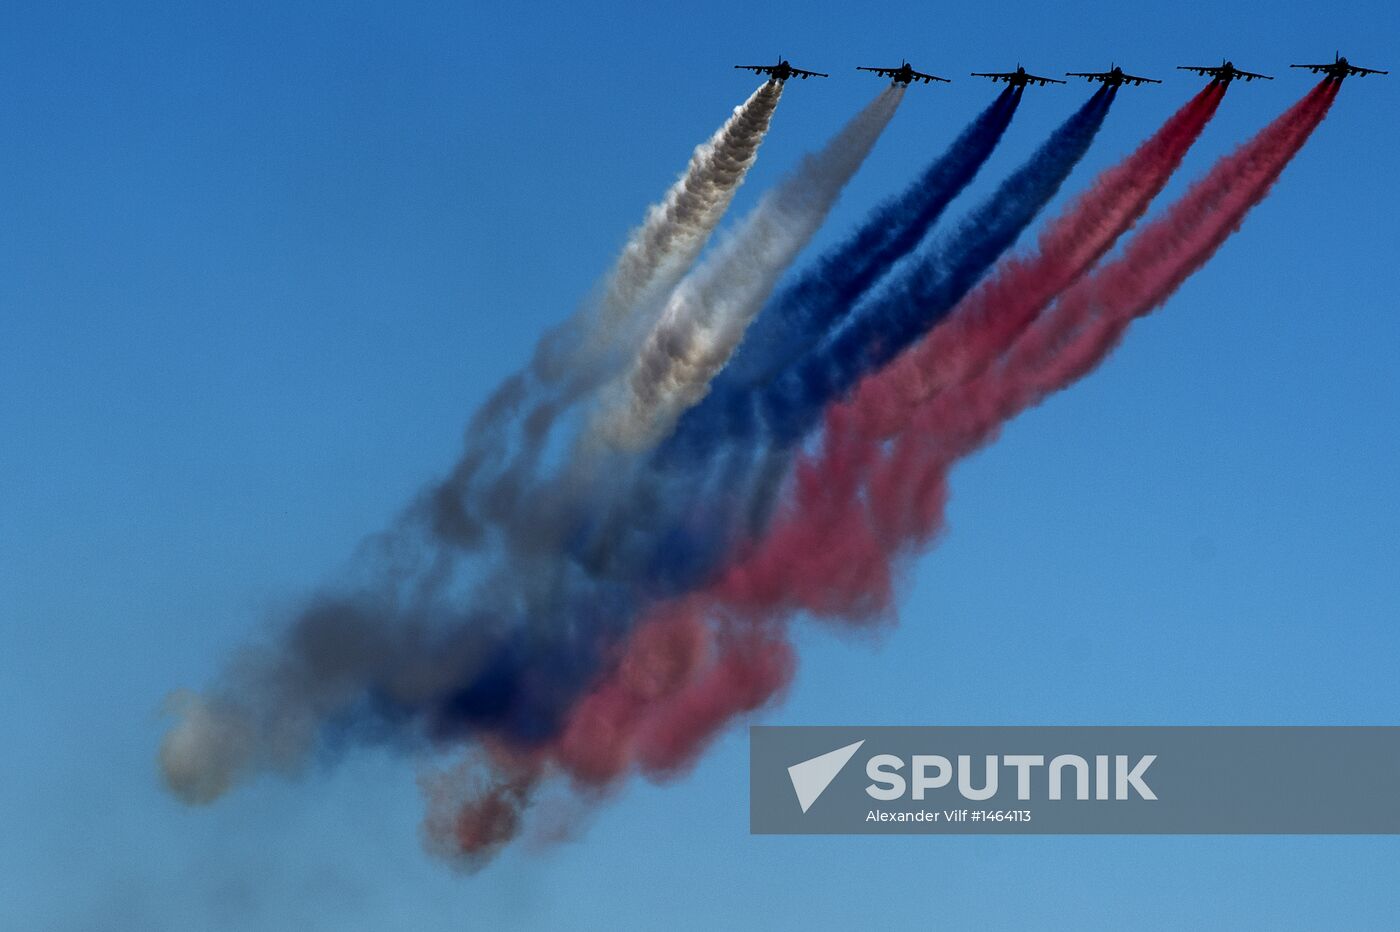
[1115,76]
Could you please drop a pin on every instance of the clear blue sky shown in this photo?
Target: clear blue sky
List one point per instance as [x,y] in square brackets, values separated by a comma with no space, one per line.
[258,264]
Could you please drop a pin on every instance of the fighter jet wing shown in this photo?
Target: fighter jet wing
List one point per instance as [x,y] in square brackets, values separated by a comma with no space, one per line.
[1111,77]
[1037,79]
[897,72]
[1251,75]
[756,69]
[926,78]
[804,75]
[1332,67]
[1205,71]
[995,75]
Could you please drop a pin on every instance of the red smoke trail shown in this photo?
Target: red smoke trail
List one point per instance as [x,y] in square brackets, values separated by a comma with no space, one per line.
[747,668]
[902,485]
[1089,319]
[1022,286]
[662,658]
[679,682]
[709,657]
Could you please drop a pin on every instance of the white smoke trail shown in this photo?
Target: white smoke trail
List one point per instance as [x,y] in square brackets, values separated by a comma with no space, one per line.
[660,251]
[585,351]
[707,314]
[664,247]
[267,716]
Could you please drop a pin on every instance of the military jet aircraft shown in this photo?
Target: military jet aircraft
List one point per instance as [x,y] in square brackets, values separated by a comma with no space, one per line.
[1017,78]
[1113,77]
[904,74]
[782,70]
[1339,68]
[1225,72]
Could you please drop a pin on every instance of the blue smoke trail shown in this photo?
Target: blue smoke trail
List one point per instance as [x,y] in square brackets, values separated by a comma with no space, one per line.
[806,310]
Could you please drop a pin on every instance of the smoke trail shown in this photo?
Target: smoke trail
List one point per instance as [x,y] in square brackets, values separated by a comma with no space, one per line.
[372,656]
[1020,287]
[855,506]
[396,656]
[397,631]
[805,311]
[678,683]
[1023,286]
[705,658]
[578,355]
[890,496]
[628,518]
[918,296]
[709,311]
[675,230]
[1087,321]
[908,483]
[536,520]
